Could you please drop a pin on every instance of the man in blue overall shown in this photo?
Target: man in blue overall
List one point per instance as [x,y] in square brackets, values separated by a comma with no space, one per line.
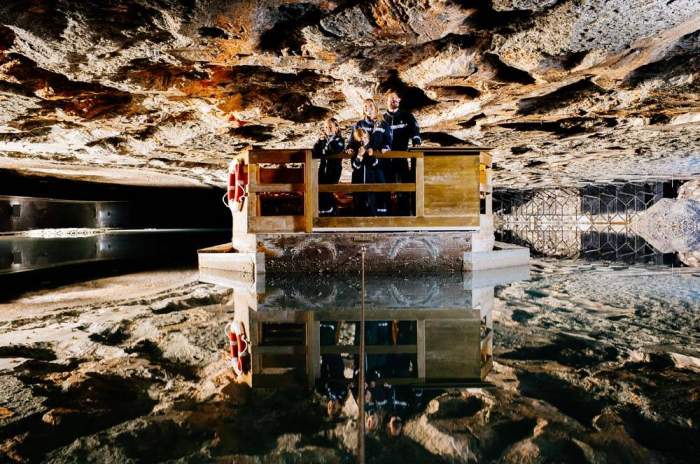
[404,129]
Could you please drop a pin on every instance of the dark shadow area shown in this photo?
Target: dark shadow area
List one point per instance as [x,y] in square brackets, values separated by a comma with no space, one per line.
[569,351]
[412,98]
[286,33]
[559,98]
[569,399]
[148,207]
[506,73]
[85,406]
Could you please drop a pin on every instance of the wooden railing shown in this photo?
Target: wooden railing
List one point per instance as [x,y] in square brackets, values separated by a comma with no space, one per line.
[448,186]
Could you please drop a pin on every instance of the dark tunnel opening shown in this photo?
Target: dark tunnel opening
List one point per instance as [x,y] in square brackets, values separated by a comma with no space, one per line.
[55,231]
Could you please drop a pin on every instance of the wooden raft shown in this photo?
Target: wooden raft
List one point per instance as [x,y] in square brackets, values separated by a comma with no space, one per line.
[449,184]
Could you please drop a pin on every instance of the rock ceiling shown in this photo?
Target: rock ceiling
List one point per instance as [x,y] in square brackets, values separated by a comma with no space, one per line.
[566,91]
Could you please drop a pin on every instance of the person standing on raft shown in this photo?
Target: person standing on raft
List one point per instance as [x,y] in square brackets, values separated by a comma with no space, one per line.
[404,129]
[330,143]
[367,137]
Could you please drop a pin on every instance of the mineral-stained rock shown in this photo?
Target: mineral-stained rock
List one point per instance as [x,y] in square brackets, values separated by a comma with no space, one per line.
[595,89]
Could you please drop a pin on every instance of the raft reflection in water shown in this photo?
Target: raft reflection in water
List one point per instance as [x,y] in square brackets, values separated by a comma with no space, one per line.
[428,331]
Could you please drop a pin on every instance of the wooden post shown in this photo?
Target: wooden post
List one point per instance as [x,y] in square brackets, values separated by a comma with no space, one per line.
[310,191]
[253,206]
[420,186]
[314,191]
[420,349]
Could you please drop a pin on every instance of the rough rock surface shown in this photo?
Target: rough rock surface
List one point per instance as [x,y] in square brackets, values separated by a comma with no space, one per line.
[565,91]
[585,371]
[671,225]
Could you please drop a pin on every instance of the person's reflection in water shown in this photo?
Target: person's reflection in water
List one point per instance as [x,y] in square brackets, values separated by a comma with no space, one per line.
[333,385]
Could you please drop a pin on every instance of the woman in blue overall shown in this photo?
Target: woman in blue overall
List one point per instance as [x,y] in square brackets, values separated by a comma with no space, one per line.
[370,135]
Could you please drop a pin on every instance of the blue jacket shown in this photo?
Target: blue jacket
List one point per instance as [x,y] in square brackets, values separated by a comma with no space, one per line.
[380,136]
[329,170]
[404,128]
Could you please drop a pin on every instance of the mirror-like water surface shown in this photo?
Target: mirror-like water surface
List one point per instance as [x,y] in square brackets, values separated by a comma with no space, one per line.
[573,361]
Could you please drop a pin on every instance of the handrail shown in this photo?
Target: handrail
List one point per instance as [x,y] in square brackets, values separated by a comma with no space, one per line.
[450,199]
[379,154]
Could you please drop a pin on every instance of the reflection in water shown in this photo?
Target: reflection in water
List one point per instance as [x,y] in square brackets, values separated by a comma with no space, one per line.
[423,333]
[592,222]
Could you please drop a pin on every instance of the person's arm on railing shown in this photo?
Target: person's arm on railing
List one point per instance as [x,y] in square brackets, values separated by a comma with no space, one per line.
[387,138]
[358,158]
[414,130]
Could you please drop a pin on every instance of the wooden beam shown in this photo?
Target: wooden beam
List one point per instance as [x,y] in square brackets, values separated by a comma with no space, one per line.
[310,192]
[276,188]
[275,224]
[349,188]
[420,187]
[252,199]
[463,149]
[420,348]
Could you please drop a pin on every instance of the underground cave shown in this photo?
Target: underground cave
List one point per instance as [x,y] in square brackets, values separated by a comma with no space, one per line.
[349,231]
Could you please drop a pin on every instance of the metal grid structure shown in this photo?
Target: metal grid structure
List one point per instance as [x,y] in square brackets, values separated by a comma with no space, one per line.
[589,222]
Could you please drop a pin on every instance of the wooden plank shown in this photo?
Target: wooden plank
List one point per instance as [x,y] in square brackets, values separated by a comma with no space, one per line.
[276,188]
[349,188]
[420,345]
[461,149]
[310,192]
[465,221]
[276,224]
[452,349]
[313,341]
[252,200]
[276,156]
[420,187]
[451,185]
